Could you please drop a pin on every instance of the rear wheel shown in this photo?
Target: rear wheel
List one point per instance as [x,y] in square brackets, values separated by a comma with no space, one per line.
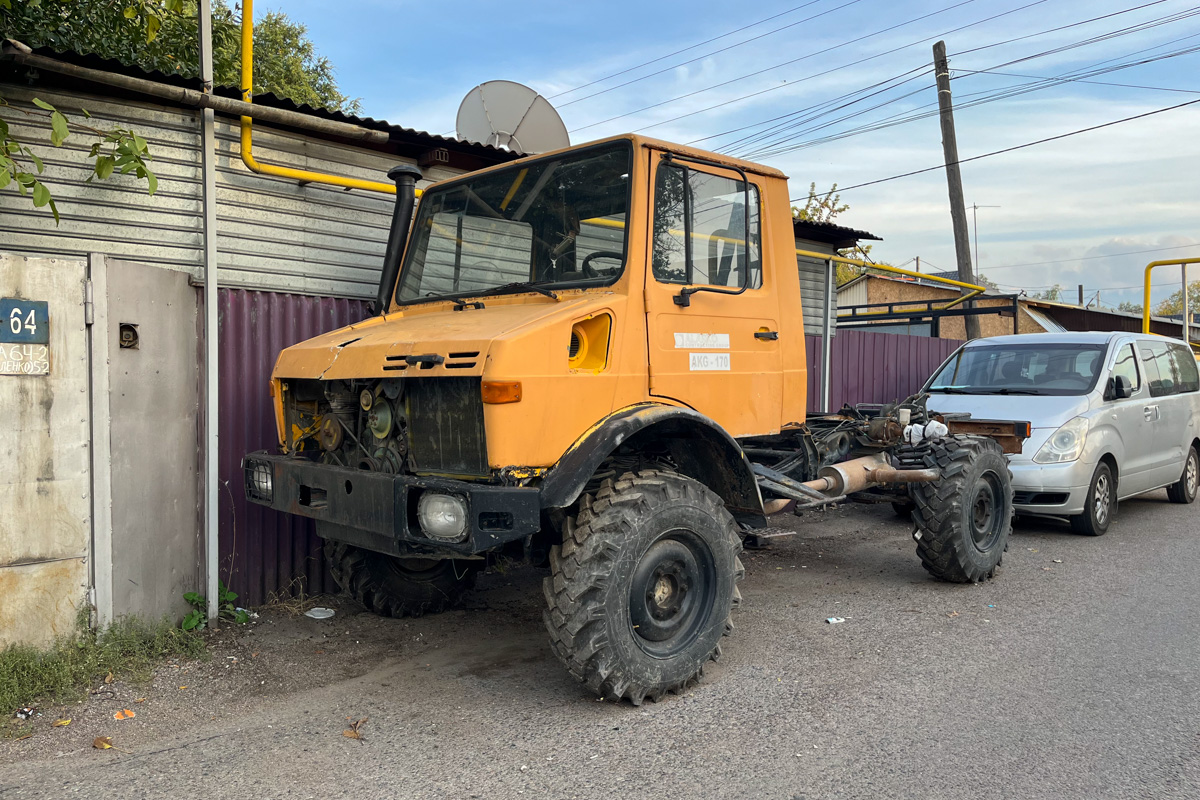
[1184,490]
[641,589]
[964,518]
[1100,505]
[399,587]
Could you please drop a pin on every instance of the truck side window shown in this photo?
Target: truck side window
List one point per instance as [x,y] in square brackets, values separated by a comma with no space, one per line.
[1126,364]
[717,224]
[1160,373]
[1187,376]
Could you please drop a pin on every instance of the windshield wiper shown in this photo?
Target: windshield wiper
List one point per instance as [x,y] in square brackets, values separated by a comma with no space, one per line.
[949,390]
[521,286]
[1007,390]
[961,390]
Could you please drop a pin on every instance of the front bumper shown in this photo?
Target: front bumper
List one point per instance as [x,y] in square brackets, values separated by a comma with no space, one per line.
[1051,490]
[378,511]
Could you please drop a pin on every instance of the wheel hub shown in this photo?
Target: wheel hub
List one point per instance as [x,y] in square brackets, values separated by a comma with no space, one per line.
[986,524]
[1103,498]
[671,593]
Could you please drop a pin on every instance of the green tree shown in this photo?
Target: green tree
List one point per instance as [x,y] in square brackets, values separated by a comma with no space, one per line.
[1052,295]
[163,35]
[1174,303]
[1131,308]
[157,35]
[820,207]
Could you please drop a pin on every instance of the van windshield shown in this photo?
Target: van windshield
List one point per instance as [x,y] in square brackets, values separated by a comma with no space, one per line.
[554,223]
[1044,369]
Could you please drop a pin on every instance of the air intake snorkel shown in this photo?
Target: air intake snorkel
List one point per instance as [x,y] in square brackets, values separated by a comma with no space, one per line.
[405,177]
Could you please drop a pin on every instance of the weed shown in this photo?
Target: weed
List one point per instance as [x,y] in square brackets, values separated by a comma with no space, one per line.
[292,599]
[129,648]
[197,618]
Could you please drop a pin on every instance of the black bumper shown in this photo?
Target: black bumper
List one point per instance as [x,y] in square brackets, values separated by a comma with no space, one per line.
[378,511]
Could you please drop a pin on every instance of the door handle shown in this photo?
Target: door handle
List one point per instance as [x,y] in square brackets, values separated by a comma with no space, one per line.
[1151,413]
[766,335]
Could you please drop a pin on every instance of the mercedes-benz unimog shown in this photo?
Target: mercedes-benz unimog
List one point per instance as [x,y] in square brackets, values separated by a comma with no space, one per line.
[593,359]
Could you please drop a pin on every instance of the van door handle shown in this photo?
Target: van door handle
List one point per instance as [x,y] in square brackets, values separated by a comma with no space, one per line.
[766,335]
[1151,413]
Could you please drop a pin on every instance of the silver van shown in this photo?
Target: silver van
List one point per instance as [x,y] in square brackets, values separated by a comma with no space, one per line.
[1113,415]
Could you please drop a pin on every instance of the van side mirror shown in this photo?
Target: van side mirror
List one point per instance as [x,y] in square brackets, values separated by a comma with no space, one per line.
[1118,388]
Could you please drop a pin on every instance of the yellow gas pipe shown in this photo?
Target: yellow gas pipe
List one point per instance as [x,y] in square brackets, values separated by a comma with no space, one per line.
[247,146]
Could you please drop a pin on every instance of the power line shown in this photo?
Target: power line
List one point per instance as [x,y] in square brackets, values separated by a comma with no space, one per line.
[1018,147]
[1080,80]
[1174,17]
[689,47]
[713,53]
[1056,30]
[781,146]
[835,69]
[784,64]
[1091,258]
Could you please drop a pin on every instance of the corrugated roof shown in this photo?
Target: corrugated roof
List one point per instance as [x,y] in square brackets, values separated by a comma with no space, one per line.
[829,233]
[93,61]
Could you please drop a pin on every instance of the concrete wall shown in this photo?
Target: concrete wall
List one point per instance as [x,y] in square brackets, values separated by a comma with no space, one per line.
[45,493]
[153,432]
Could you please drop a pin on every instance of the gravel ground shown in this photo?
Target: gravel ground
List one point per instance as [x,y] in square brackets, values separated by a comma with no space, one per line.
[1074,674]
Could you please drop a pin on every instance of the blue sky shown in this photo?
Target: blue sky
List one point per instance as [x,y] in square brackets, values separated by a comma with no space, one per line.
[1078,210]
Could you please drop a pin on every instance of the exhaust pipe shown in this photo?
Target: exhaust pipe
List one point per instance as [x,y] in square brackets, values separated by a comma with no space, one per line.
[405,176]
[859,473]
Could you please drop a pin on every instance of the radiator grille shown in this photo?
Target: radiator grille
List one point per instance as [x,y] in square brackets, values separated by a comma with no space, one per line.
[445,426]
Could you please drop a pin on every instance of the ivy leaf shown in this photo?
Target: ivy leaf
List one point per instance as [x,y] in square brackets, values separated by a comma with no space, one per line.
[58,129]
[42,104]
[130,12]
[37,162]
[152,26]
[104,168]
[5,177]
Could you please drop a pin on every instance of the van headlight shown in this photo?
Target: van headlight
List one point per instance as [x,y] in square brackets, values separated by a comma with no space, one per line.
[442,516]
[1065,444]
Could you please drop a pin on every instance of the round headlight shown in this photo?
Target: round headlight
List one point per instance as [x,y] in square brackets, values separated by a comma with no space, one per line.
[442,516]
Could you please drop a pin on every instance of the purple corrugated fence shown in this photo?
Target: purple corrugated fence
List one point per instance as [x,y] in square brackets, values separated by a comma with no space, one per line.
[874,367]
[263,551]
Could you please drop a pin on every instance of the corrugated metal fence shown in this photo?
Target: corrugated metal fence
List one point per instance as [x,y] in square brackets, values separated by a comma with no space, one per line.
[265,552]
[874,367]
[261,550]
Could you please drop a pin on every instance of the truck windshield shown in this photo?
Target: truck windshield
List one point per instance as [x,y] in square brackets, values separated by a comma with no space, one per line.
[554,223]
[1046,369]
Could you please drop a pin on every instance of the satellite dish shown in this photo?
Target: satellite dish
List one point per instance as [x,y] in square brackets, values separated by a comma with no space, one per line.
[507,114]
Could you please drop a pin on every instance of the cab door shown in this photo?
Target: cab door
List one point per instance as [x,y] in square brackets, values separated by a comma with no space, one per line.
[712,309]
[1130,425]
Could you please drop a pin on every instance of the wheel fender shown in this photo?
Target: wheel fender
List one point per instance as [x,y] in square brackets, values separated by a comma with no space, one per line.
[700,448]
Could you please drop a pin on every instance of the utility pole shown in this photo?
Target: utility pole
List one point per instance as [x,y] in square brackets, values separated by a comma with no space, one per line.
[1081,294]
[958,210]
[918,263]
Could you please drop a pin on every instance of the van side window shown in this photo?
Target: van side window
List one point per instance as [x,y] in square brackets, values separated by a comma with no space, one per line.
[1160,372]
[1126,364]
[716,217]
[1187,378]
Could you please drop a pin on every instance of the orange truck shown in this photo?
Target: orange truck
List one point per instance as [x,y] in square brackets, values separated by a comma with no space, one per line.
[593,359]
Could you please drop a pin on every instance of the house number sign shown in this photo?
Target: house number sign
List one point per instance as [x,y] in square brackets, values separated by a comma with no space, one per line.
[24,337]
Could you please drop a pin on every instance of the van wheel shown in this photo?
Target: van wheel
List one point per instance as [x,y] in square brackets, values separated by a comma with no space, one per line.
[964,518]
[1101,504]
[1184,490]
[641,589]
[399,587]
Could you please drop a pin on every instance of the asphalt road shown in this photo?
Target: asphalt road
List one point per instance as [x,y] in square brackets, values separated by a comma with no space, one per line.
[1074,674]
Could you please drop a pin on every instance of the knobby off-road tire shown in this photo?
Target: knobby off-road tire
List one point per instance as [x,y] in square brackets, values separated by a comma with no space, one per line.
[641,589]
[964,518]
[1184,490]
[399,587]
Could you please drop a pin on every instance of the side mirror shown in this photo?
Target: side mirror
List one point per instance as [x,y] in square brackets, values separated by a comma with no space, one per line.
[1118,388]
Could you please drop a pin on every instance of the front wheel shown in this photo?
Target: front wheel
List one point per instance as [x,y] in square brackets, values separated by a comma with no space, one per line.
[965,517]
[1184,490]
[641,589]
[1100,504]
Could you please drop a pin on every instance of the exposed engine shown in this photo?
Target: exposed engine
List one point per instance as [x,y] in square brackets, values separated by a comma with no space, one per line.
[361,424]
